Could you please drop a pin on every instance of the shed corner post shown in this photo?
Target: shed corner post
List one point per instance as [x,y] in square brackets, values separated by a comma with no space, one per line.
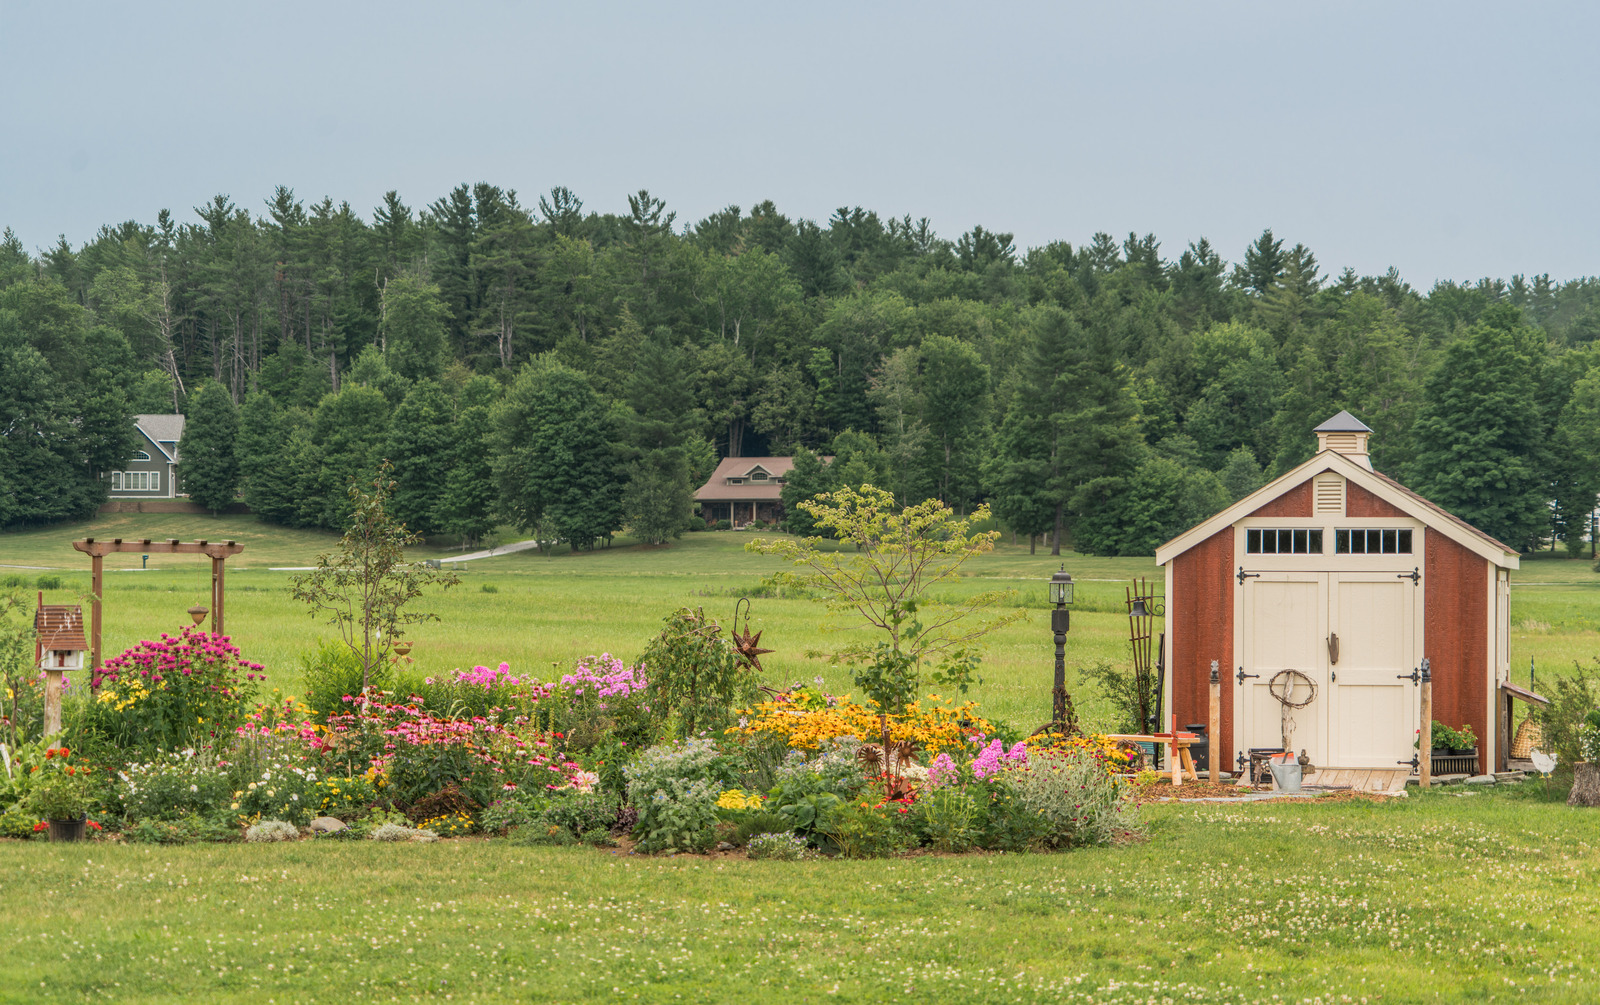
[1425,736]
[1213,739]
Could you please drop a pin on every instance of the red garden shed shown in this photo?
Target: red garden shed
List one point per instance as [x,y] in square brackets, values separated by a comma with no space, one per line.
[1342,574]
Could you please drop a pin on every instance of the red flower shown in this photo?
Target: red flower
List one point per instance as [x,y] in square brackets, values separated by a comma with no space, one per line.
[91,823]
[71,770]
[40,826]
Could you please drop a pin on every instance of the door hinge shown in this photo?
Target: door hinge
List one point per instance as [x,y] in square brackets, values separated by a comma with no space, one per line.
[1247,575]
[1415,575]
[1242,675]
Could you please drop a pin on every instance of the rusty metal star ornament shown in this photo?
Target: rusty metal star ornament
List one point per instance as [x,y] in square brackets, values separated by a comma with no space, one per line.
[748,647]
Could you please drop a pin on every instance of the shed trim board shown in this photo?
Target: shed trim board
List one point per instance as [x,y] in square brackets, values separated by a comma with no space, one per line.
[1285,606]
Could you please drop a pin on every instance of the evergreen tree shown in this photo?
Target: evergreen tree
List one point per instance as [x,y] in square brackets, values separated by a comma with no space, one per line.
[1478,444]
[556,456]
[420,446]
[265,466]
[414,327]
[806,480]
[955,402]
[1017,474]
[1241,474]
[208,466]
[467,505]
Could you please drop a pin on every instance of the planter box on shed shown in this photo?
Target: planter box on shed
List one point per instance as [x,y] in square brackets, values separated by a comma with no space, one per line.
[1343,574]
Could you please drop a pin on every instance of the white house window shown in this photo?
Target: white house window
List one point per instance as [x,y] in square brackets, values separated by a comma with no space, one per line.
[1373,541]
[735,481]
[140,455]
[758,476]
[1266,541]
[116,481]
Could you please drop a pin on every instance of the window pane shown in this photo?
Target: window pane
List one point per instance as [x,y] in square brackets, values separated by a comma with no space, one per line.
[1405,542]
[155,481]
[1252,542]
[1299,542]
[1316,542]
[1388,542]
[1341,542]
[116,480]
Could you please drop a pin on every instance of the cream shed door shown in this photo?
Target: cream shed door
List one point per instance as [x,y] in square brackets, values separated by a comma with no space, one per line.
[1372,709]
[1285,624]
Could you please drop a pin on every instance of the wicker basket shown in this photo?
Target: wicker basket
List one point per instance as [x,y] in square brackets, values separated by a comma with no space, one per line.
[1529,735]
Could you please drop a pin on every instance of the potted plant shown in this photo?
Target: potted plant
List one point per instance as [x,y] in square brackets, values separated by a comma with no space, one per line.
[1444,739]
[1464,741]
[60,795]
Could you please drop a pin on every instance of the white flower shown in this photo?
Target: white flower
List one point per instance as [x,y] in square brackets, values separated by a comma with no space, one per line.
[194,788]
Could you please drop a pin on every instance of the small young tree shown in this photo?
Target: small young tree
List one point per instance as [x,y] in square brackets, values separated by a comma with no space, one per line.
[365,590]
[882,586]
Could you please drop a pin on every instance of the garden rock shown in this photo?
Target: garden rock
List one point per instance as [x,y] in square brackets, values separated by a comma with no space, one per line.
[327,825]
[725,846]
[1481,780]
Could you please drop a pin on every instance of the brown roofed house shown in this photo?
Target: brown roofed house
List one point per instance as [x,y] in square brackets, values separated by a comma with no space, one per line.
[743,490]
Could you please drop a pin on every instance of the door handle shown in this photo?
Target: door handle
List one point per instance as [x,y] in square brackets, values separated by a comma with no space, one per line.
[1333,648]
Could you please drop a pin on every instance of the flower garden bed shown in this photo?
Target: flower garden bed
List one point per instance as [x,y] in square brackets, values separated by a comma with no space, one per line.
[176,746]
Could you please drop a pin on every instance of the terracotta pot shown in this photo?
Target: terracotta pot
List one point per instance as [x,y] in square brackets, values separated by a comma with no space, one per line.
[67,830]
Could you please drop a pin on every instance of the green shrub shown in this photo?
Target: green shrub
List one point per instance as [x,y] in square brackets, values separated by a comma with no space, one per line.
[175,784]
[14,823]
[861,828]
[779,846]
[329,674]
[570,817]
[48,583]
[697,684]
[1082,804]
[674,788]
[186,830]
[947,818]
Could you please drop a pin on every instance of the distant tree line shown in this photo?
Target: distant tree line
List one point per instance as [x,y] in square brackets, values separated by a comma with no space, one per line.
[577,374]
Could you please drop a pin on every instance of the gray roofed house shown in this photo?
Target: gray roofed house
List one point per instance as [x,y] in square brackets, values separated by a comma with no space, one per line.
[151,473]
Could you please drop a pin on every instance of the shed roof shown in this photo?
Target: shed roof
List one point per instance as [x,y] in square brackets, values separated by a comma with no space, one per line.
[1430,514]
[60,626]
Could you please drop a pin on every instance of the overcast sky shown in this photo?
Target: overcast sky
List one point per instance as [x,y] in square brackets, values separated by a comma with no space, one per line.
[1450,140]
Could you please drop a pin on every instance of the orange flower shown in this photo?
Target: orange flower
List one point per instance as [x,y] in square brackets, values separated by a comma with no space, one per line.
[71,770]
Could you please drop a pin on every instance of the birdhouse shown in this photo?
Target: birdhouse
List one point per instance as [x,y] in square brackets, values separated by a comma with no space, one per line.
[59,637]
[59,645]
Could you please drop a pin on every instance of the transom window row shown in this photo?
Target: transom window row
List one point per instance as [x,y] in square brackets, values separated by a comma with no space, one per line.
[1390,541]
[1308,541]
[1283,542]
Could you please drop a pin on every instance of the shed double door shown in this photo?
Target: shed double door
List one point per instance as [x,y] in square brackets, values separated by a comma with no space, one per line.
[1354,635]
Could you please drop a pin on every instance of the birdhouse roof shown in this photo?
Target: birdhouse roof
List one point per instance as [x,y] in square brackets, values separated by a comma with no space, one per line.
[60,626]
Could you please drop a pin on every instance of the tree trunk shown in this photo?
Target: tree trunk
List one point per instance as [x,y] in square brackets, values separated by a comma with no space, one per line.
[1585,785]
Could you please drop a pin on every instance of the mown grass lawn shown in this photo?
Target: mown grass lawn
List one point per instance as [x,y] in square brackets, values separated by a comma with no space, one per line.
[1443,897]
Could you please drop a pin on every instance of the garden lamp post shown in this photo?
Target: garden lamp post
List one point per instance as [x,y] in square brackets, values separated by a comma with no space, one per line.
[1060,622]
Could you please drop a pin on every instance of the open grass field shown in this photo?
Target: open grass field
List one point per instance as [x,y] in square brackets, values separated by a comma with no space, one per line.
[1481,897]
[536,611]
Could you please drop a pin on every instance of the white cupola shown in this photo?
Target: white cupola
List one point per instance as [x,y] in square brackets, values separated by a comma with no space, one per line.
[1345,434]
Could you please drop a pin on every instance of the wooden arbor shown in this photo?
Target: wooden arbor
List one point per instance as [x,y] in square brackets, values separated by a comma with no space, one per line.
[97,550]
